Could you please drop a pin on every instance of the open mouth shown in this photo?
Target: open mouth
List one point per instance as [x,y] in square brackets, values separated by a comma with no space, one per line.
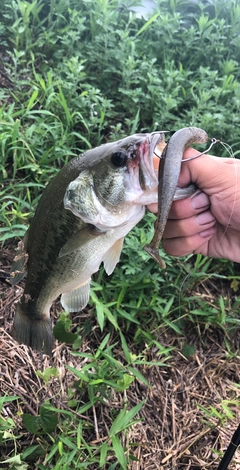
[156,144]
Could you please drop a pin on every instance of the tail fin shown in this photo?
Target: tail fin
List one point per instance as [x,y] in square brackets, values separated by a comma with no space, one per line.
[33,332]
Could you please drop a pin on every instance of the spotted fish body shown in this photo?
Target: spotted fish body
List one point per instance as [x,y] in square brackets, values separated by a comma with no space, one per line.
[81,220]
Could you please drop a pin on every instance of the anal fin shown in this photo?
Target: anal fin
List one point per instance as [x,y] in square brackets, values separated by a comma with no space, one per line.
[76,299]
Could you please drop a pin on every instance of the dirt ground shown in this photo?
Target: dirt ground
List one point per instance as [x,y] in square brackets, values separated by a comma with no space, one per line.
[174,433]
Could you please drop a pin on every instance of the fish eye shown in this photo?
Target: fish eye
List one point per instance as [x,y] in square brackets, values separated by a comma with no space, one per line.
[119,158]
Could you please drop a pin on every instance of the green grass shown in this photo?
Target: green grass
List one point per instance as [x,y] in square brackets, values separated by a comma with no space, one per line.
[84,73]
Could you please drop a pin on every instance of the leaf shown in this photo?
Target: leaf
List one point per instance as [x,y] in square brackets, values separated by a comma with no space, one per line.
[96,381]
[61,334]
[102,345]
[68,443]
[81,375]
[31,423]
[119,451]
[128,316]
[79,434]
[135,124]
[125,348]
[63,102]
[73,403]
[32,100]
[235,285]
[103,454]
[48,419]
[124,418]
[16,460]
[227,410]
[111,318]
[7,399]
[100,314]
[31,450]
[188,350]
[147,24]
[47,373]
[124,383]
[138,375]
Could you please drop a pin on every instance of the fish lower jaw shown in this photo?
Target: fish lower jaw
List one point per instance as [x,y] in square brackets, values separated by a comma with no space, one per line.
[148,197]
[182,193]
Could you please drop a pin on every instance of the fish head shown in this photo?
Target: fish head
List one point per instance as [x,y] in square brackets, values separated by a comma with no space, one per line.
[115,180]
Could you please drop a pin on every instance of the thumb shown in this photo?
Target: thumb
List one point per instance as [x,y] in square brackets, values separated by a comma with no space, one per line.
[211,174]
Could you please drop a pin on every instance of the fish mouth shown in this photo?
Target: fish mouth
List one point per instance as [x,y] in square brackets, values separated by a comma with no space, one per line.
[148,174]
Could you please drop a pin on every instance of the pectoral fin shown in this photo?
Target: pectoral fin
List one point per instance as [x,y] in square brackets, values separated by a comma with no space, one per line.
[112,256]
[80,239]
[75,300]
[19,265]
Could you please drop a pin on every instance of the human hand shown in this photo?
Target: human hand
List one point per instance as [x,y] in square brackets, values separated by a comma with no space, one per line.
[209,221]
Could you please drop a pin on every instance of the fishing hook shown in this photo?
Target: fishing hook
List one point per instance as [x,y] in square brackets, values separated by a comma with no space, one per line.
[213,142]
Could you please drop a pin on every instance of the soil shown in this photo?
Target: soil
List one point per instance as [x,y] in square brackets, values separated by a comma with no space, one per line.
[174,431]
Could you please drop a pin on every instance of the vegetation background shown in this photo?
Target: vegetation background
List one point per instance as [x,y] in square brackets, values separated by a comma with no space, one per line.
[75,74]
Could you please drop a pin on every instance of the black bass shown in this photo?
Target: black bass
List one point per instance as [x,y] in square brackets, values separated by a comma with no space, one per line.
[80,222]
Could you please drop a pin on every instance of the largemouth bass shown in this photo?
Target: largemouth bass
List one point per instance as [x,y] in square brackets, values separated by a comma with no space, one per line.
[81,221]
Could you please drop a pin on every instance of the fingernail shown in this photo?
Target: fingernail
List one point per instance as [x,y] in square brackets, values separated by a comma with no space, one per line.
[205,218]
[200,200]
